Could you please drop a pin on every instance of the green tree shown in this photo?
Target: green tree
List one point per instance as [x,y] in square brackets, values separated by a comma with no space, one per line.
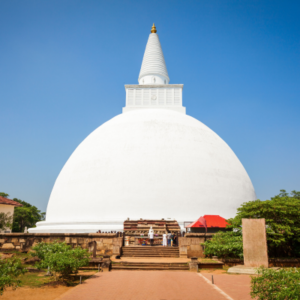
[283,284]
[60,258]
[10,269]
[225,245]
[26,216]
[4,195]
[295,194]
[282,215]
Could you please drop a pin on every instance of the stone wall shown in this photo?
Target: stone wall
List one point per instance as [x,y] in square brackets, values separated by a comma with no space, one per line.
[97,243]
[190,245]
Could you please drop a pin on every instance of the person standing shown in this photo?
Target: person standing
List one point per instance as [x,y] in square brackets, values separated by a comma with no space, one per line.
[164,239]
[151,236]
[169,239]
[175,240]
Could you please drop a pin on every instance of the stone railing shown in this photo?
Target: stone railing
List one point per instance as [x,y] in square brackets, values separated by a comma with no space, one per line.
[97,243]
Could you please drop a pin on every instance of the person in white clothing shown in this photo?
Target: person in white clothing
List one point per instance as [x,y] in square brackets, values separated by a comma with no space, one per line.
[151,236]
[165,240]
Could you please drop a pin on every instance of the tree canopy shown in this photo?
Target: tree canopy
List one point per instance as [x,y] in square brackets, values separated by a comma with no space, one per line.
[282,215]
[26,216]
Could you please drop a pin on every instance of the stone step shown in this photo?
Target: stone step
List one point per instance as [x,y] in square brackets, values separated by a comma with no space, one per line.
[150,269]
[145,264]
[149,255]
[150,266]
[149,249]
[153,251]
[145,251]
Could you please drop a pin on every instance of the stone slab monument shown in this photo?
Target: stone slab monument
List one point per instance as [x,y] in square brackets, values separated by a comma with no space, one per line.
[255,243]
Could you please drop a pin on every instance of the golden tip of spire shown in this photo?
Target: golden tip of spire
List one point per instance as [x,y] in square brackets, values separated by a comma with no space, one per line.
[153,29]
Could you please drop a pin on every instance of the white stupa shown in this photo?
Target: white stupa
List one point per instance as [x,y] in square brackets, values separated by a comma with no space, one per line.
[151,162]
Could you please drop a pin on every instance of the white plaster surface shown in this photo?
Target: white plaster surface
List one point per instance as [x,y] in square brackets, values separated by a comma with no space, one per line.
[167,96]
[153,69]
[6,209]
[149,164]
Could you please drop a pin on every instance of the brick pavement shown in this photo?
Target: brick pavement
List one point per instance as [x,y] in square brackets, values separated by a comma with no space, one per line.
[149,285]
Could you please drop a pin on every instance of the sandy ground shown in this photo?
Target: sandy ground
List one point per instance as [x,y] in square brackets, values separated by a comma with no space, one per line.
[26,293]
[44,293]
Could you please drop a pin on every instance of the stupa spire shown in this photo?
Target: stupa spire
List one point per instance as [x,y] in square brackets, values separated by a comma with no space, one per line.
[153,70]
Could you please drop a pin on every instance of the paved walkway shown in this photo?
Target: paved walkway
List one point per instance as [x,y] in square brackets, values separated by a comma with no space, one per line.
[157,285]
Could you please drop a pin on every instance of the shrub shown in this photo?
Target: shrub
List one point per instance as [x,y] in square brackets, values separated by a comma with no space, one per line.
[283,284]
[225,244]
[10,269]
[60,258]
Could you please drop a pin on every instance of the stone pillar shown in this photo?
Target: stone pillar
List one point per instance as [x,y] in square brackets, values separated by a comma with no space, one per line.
[193,264]
[183,251]
[255,243]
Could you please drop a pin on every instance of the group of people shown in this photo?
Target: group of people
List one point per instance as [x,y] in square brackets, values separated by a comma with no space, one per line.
[169,239]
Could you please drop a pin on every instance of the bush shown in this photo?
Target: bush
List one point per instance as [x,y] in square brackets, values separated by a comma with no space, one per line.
[225,245]
[60,258]
[10,269]
[283,284]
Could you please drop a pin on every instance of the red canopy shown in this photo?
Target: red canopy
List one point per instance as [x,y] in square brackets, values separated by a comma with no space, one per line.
[211,221]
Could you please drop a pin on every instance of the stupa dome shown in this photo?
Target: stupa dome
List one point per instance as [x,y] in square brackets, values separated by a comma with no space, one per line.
[149,164]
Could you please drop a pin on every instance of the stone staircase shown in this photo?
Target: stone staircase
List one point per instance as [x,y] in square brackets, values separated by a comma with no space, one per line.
[148,251]
[149,266]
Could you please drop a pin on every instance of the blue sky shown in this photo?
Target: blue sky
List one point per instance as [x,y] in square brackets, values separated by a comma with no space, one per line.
[63,66]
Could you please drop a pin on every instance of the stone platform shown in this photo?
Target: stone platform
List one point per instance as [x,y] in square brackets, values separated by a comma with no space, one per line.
[240,269]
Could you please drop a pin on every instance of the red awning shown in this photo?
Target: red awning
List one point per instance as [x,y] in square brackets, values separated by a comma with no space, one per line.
[211,222]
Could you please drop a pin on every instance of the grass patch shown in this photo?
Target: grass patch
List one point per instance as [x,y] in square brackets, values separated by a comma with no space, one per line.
[34,280]
[17,254]
[37,280]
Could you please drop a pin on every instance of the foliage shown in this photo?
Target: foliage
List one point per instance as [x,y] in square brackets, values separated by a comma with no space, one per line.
[10,269]
[283,284]
[282,215]
[283,193]
[26,216]
[5,220]
[225,245]
[60,258]
[4,195]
